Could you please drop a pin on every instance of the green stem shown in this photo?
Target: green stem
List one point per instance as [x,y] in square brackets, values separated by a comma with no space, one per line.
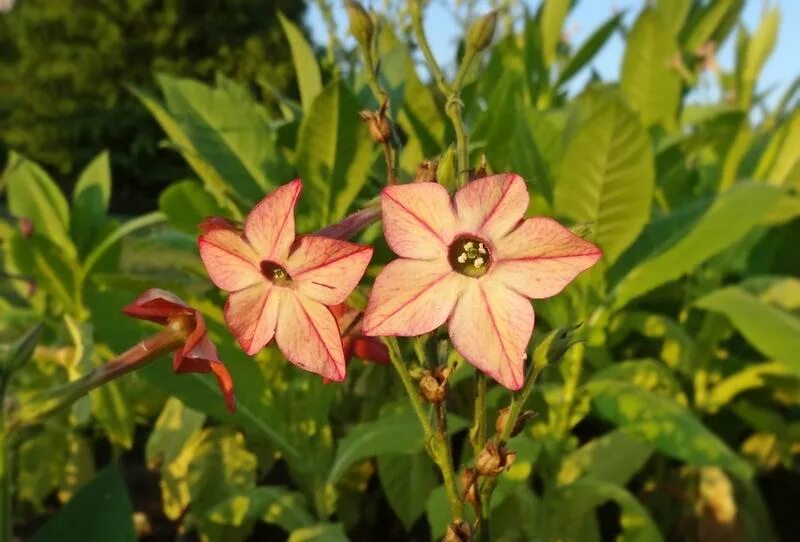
[435,442]
[478,431]
[422,41]
[167,340]
[453,110]
[6,533]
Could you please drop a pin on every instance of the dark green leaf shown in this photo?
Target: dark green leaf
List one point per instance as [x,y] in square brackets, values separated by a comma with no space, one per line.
[90,202]
[186,204]
[407,480]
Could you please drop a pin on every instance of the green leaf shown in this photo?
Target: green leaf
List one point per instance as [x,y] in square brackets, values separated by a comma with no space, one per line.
[323,532]
[759,47]
[651,86]
[186,204]
[334,154]
[773,331]
[275,505]
[309,80]
[80,520]
[606,176]
[174,427]
[33,194]
[663,423]
[90,202]
[706,23]
[394,432]
[407,480]
[731,216]
[589,48]
[673,13]
[751,377]
[782,155]
[554,13]
[569,505]
[614,458]
[647,374]
[21,351]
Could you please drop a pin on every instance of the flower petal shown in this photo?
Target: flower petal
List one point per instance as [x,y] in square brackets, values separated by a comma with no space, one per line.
[229,260]
[270,225]
[412,297]
[326,269]
[308,336]
[418,219]
[492,205]
[202,357]
[540,257]
[491,326]
[157,305]
[252,313]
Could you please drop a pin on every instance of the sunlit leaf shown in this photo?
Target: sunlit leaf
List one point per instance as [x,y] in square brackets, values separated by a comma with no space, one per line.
[90,200]
[309,80]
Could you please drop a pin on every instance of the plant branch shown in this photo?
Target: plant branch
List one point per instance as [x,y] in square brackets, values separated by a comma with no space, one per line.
[422,41]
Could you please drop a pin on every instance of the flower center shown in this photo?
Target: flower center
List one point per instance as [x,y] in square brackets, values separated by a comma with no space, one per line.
[469,256]
[275,273]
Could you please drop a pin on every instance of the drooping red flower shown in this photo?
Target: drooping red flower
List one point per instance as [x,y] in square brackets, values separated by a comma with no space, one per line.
[198,354]
[354,342]
[474,262]
[282,286]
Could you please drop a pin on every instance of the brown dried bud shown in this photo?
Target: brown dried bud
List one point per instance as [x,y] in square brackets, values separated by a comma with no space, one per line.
[433,385]
[426,172]
[380,127]
[481,171]
[469,483]
[458,531]
[25,226]
[480,34]
[519,423]
[361,25]
[494,459]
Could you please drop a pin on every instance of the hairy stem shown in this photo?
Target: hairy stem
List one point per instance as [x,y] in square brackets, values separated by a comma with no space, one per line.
[477,432]
[436,441]
[391,147]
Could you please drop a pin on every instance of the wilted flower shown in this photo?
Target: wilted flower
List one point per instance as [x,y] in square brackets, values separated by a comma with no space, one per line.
[198,354]
[282,286]
[475,263]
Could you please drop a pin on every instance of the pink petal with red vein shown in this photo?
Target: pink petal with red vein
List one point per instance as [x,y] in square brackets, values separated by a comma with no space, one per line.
[418,219]
[412,297]
[308,336]
[252,313]
[229,260]
[326,269]
[270,225]
[491,326]
[492,205]
[540,257]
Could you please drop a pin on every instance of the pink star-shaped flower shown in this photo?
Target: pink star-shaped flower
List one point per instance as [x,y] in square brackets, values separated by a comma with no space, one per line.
[282,286]
[475,263]
[198,355]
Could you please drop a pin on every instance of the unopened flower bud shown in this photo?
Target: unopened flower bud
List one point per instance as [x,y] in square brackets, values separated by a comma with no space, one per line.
[433,385]
[469,484]
[480,34]
[494,459]
[554,346]
[426,172]
[361,25]
[380,127]
[519,423]
[458,531]
[446,168]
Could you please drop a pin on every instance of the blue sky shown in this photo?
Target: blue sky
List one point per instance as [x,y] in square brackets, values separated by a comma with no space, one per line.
[782,67]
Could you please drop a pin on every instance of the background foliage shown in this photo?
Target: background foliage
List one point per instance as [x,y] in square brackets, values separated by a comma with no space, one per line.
[675,419]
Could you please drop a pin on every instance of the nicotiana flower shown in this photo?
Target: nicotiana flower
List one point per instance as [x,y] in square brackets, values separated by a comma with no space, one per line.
[474,262]
[281,286]
[198,354]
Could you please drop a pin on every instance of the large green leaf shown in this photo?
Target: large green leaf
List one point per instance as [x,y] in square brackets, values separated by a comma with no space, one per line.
[606,175]
[782,156]
[322,532]
[309,80]
[673,13]
[271,504]
[615,458]
[334,154]
[570,504]
[554,13]
[186,204]
[706,22]
[99,512]
[759,47]
[90,202]
[663,423]
[589,48]
[174,427]
[407,480]
[32,194]
[728,219]
[775,332]
[648,81]
[395,432]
